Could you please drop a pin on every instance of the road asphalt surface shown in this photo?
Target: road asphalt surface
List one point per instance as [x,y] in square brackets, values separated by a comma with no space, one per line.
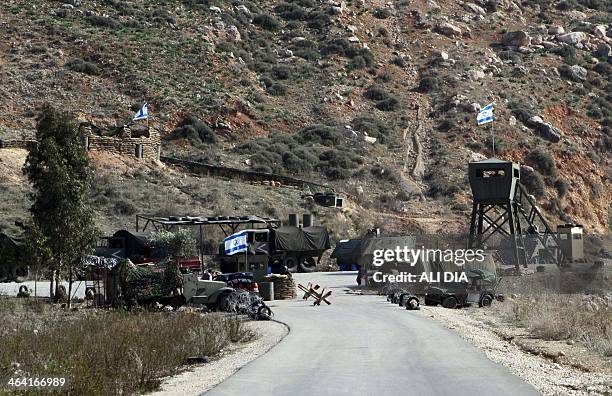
[364,345]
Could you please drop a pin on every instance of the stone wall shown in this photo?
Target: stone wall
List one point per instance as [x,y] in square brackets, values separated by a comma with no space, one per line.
[125,143]
[19,143]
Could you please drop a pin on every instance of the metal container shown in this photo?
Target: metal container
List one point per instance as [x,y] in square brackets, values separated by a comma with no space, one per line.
[266,291]
[307,220]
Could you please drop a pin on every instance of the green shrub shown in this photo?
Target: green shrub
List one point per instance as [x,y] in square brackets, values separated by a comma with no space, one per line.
[81,66]
[534,182]
[376,92]
[266,21]
[319,20]
[322,134]
[399,61]
[194,130]
[291,12]
[277,89]
[125,208]
[281,72]
[100,21]
[562,187]
[429,84]
[603,68]
[389,104]
[543,162]
[372,126]
[382,13]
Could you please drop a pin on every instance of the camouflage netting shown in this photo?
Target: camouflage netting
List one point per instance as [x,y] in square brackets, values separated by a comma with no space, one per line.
[149,282]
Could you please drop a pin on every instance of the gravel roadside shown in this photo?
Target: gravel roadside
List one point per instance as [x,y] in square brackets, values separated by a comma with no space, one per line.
[547,376]
[201,378]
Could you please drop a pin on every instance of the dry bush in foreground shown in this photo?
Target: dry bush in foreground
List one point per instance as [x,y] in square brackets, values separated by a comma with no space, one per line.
[111,352]
[586,319]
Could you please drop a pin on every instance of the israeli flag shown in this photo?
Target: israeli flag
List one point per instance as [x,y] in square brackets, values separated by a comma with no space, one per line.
[142,114]
[236,243]
[485,114]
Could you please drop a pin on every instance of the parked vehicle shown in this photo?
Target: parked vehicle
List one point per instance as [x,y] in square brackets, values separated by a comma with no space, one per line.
[139,248]
[276,248]
[239,280]
[480,289]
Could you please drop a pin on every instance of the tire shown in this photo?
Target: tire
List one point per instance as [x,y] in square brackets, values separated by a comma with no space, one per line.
[264,313]
[291,263]
[450,302]
[223,303]
[412,304]
[485,302]
[308,264]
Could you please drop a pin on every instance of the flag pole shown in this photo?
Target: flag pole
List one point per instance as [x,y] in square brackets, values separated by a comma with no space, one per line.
[493,138]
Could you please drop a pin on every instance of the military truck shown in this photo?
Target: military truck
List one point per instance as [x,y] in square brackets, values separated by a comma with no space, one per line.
[297,249]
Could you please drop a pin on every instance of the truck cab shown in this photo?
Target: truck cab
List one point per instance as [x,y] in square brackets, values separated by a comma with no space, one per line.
[255,259]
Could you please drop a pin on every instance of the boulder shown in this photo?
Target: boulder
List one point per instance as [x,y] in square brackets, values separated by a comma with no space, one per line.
[474,9]
[516,39]
[233,33]
[475,74]
[572,37]
[544,129]
[599,31]
[441,55]
[537,40]
[577,15]
[603,50]
[556,30]
[242,8]
[578,72]
[448,29]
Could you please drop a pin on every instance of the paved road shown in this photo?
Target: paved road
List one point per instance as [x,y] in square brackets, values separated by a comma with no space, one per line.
[363,345]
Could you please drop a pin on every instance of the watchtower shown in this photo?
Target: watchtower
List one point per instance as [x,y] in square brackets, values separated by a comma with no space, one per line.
[499,204]
[494,184]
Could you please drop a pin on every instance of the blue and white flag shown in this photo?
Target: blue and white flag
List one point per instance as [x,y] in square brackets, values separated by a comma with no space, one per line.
[142,114]
[485,114]
[236,243]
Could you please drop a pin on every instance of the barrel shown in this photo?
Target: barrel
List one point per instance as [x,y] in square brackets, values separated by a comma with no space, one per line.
[266,291]
[138,150]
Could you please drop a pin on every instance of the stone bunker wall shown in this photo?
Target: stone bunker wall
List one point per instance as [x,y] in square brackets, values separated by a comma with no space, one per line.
[124,143]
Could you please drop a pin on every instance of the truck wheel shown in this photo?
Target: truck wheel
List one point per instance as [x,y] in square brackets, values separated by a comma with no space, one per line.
[412,304]
[485,302]
[291,263]
[223,303]
[308,264]
[430,303]
[450,302]
[264,313]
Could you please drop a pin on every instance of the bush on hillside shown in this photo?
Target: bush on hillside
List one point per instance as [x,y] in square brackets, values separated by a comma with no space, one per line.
[543,162]
[81,66]
[195,131]
[266,21]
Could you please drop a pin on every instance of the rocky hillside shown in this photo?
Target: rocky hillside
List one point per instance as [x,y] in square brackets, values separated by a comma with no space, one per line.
[377,98]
